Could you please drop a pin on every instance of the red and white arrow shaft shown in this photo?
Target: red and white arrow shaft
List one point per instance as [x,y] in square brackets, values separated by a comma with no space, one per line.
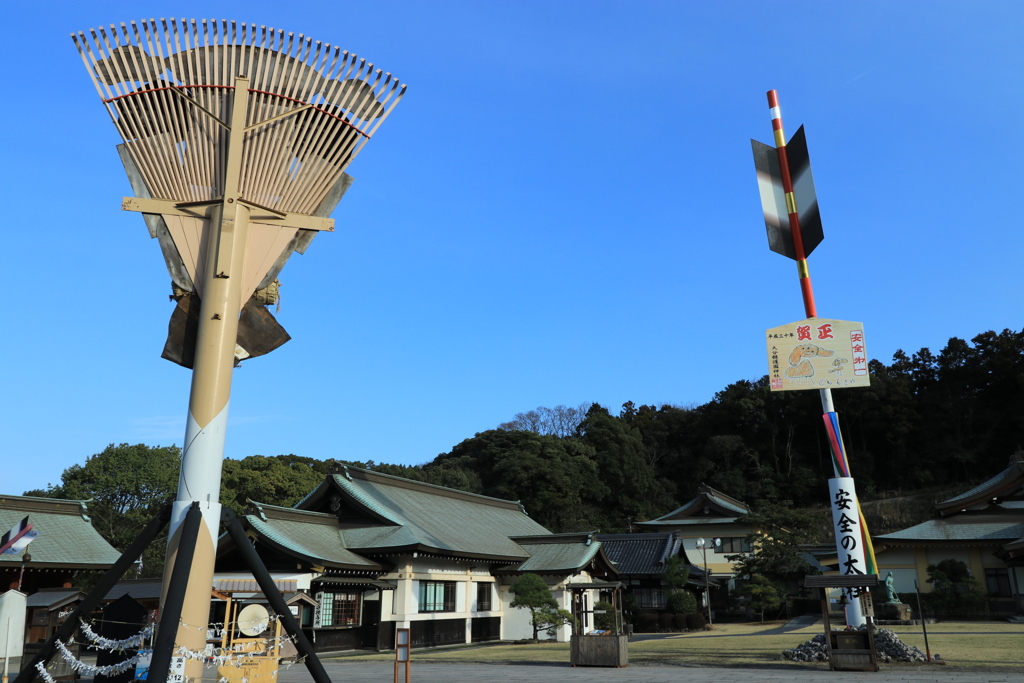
[794,218]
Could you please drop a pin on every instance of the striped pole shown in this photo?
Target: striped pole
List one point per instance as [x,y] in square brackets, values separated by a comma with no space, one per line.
[203,454]
[840,464]
[794,218]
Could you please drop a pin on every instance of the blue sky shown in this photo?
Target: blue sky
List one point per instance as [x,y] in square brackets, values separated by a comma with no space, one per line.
[563,209]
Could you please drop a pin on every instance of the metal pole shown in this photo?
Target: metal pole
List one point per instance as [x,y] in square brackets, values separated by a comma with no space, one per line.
[707,585]
[924,628]
[220,290]
[170,614]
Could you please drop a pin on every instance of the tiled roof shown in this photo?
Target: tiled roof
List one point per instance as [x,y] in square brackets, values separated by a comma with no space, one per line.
[988,489]
[138,589]
[640,553]
[706,498]
[66,536]
[53,598]
[725,501]
[557,553]
[689,521]
[997,529]
[434,517]
[312,536]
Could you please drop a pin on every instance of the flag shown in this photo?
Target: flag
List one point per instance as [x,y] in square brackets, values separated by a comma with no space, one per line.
[17,532]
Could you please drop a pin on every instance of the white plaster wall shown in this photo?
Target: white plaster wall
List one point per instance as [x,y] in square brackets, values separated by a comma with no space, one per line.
[460,597]
[515,622]
[902,579]
[989,557]
[13,612]
[387,605]
[936,555]
[689,534]
[896,556]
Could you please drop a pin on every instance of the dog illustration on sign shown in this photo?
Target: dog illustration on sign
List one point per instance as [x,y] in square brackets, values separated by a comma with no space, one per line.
[800,359]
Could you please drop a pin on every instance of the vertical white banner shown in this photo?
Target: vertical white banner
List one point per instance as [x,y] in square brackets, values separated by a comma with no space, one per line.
[846,524]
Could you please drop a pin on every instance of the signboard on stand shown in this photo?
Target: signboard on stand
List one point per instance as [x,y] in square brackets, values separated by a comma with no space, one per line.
[402,645]
[817,353]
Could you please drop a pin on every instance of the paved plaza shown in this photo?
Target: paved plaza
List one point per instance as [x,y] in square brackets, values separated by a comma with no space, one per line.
[383,672]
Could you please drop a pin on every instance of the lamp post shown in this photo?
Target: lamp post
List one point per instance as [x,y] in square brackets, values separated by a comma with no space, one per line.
[707,587]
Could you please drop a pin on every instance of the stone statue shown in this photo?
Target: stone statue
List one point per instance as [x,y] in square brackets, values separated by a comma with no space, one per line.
[890,591]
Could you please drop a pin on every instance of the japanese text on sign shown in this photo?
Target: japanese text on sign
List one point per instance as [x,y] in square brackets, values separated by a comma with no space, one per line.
[816,354]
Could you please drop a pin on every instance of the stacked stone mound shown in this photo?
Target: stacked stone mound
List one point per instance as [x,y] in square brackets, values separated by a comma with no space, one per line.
[888,645]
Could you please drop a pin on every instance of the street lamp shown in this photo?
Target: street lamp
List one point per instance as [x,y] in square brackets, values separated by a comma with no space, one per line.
[717,542]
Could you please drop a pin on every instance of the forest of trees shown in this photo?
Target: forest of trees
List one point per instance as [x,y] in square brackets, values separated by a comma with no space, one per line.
[926,420]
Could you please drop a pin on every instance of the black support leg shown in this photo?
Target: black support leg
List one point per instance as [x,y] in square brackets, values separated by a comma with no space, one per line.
[273,595]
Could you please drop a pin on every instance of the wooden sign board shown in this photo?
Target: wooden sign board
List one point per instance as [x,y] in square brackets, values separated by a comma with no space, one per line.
[817,353]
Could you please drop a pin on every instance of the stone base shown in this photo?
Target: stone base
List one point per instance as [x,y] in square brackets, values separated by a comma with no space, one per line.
[892,611]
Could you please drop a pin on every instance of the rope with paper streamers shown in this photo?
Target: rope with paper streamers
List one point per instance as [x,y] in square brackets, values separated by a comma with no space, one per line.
[222,656]
[129,643]
[90,670]
[215,629]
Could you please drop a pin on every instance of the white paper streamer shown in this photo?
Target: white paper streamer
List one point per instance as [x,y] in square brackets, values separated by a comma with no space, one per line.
[130,643]
[89,670]
[43,673]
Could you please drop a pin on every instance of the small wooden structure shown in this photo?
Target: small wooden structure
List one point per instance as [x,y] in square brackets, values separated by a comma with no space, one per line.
[262,640]
[847,650]
[597,650]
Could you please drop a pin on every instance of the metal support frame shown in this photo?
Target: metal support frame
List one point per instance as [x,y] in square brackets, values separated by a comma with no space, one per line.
[170,615]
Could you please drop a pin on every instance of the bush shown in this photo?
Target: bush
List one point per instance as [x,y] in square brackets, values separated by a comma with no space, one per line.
[606,621]
[695,622]
[681,601]
[630,607]
[679,622]
[955,593]
[646,622]
[665,620]
[550,620]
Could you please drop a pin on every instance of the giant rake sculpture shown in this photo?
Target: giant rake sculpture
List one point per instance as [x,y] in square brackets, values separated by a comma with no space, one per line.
[236,140]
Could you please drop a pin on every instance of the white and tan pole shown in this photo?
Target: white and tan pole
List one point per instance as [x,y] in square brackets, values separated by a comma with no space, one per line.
[206,429]
[236,136]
